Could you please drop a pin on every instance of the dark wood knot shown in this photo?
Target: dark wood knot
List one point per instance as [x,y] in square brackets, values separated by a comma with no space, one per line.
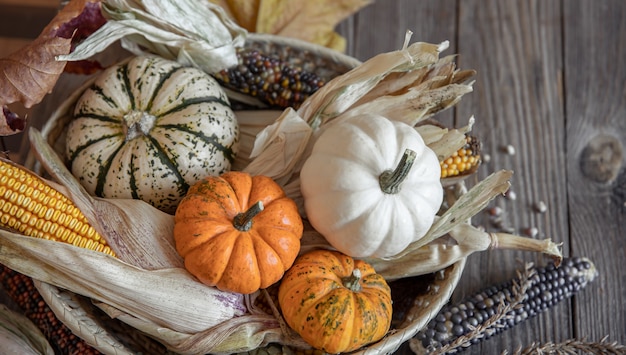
[601,160]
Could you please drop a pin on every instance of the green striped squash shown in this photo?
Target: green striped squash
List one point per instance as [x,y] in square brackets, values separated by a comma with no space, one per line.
[148,129]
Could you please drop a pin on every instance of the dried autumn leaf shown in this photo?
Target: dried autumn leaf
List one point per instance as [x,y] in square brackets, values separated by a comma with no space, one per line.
[27,75]
[312,21]
[244,12]
[31,72]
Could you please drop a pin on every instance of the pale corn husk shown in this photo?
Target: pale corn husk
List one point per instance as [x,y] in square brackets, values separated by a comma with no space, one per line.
[196,33]
[18,335]
[451,238]
[442,140]
[408,85]
[171,298]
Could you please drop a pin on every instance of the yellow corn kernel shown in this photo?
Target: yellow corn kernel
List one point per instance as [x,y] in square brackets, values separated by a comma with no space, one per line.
[463,161]
[30,206]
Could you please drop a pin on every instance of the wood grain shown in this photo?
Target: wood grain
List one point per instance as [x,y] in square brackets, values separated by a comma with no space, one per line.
[24,21]
[548,82]
[381,27]
[595,87]
[515,46]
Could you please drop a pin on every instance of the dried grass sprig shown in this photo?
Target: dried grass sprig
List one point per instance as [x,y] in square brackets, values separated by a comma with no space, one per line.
[572,346]
[504,311]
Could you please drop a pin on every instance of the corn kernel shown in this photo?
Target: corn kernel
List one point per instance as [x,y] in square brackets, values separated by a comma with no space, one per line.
[463,161]
[29,206]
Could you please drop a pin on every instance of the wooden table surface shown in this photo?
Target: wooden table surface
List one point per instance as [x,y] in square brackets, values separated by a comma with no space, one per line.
[551,84]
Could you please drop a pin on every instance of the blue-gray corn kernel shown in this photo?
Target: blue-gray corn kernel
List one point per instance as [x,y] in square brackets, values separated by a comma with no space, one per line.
[548,286]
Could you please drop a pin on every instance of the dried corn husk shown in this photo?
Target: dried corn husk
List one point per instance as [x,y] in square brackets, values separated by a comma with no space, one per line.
[171,298]
[451,238]
[462,241]
[408,85]
[251,122]
[442,140]
[196,33]
[138,233]
[18,335]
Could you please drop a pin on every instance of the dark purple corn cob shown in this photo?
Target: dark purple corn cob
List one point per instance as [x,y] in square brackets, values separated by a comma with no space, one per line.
[270,79]
[546,287]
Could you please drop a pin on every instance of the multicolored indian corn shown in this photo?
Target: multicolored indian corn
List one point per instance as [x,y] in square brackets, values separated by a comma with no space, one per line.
[270,79]
[28,205]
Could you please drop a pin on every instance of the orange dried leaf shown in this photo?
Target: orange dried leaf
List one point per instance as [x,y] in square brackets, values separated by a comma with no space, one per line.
[244,12]
[311,21]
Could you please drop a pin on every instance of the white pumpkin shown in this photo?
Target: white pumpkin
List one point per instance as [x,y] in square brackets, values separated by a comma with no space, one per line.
[359,212]
[148,129]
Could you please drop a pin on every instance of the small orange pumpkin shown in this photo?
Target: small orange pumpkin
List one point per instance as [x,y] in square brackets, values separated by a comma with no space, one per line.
[334,302]
[237,232]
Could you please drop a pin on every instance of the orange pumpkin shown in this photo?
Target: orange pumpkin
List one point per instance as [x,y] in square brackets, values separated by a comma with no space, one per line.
[334,302]
[237,232]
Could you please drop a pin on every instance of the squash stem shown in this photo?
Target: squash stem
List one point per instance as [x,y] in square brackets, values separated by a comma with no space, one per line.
[390,180]
[243,221]
[353,282]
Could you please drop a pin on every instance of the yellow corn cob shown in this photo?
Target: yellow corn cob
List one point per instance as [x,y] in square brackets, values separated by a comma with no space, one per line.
[31,207]
[463,161]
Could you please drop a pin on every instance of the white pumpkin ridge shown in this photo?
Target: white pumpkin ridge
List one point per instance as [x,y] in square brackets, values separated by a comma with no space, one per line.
[343,197]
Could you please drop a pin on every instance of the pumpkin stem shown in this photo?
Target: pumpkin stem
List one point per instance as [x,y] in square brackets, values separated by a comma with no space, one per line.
[353,282]
[243,221]
[138,123]
[390,180]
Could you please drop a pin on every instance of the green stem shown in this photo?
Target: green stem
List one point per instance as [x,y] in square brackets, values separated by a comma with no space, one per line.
[390,180]
[353,282]
[243,221]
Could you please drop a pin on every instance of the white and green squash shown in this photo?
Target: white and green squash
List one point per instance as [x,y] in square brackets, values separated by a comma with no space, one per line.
[149,128]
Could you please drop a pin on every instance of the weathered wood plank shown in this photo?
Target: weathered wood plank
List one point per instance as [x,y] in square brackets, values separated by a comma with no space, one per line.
[515,47]
[595,85]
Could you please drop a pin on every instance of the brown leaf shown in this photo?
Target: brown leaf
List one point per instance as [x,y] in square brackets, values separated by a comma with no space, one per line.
[27,75]
[32,71]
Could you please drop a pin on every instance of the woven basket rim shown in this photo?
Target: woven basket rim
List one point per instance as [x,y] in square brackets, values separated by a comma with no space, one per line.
[78,319]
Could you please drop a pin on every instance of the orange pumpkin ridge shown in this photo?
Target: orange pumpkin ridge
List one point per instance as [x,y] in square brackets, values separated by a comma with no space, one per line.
[252,256]
[319,304]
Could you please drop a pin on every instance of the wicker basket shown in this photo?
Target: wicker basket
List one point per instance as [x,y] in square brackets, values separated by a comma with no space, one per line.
[416,300]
